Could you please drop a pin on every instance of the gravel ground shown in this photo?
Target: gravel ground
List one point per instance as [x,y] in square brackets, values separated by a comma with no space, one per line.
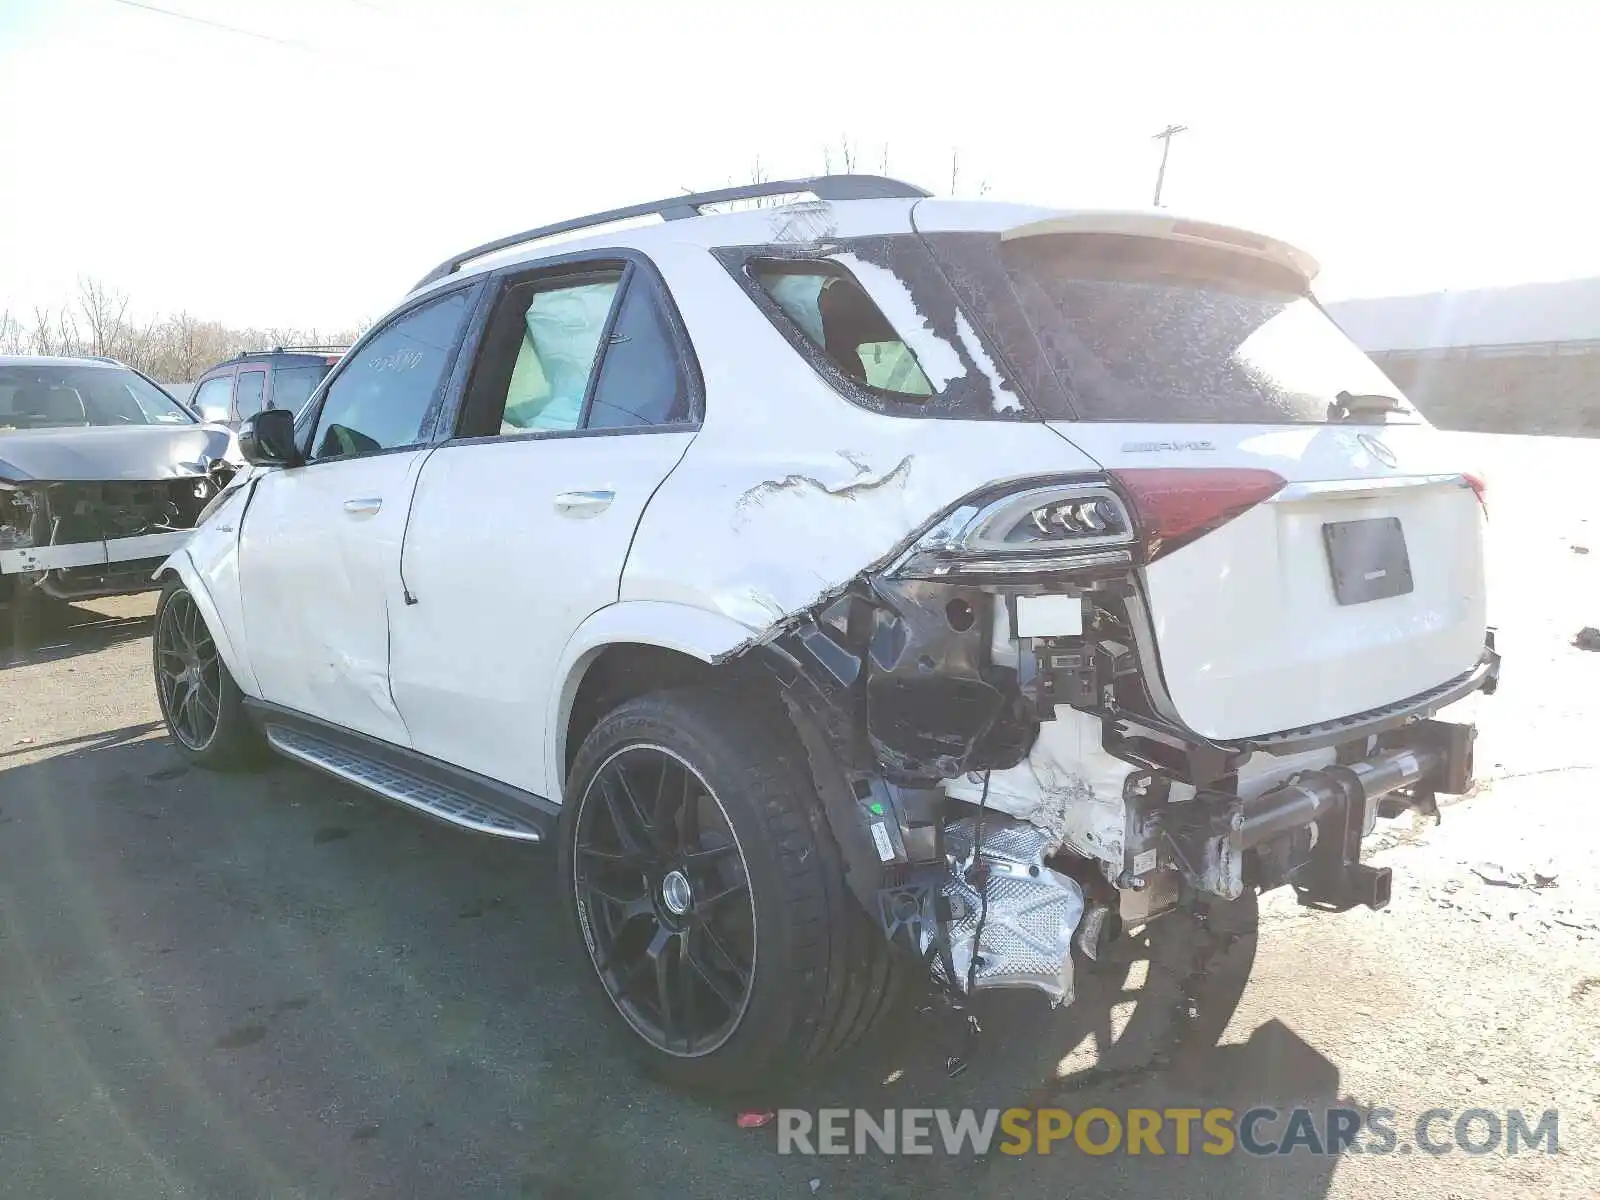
[270,985]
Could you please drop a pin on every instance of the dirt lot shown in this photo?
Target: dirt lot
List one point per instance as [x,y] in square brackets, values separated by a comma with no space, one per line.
[271,985]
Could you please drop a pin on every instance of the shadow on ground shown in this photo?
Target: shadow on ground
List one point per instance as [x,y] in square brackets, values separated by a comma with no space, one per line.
[271,985]
[72,631]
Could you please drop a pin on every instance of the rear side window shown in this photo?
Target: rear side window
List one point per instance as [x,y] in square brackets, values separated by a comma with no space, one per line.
[877,319]
[841,320]
[1109,327]
[248,391]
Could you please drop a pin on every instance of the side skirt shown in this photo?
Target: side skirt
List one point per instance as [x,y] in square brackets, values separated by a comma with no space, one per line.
[448,793]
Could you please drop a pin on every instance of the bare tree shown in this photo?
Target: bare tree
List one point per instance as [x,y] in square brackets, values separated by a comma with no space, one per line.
[847,156]
[12,336]
[104,309]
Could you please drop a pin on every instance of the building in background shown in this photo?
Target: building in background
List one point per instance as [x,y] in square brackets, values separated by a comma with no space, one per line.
[1521,359]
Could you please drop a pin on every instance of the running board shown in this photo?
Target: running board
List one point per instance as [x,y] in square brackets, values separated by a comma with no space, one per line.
[367,771]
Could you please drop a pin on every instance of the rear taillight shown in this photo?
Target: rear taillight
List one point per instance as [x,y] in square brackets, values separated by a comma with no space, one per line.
[1175,505]
[1480,489]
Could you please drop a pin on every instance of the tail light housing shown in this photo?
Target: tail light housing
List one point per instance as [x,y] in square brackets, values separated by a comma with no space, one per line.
[1177,505]
[1480,489]
[1113,521]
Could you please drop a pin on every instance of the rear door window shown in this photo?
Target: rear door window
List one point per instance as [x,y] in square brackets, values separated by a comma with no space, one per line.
[594,347]
[247,392]
[1108,327]
[641,380]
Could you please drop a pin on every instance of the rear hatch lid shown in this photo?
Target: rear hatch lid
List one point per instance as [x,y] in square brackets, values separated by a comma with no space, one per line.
[1313,547]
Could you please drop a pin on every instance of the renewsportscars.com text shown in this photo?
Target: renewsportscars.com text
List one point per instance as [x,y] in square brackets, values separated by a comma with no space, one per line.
[1179,1131]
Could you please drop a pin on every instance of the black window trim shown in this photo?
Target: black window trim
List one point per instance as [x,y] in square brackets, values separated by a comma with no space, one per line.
[449,381]
[634,264]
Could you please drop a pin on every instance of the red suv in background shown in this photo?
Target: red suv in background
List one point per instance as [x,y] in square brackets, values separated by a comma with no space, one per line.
[283,377]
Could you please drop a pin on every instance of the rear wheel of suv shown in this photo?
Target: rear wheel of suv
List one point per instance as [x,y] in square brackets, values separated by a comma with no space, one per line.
[710,897]
[201,704]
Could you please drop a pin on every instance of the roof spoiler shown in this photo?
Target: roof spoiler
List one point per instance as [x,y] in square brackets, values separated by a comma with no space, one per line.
[1174,229]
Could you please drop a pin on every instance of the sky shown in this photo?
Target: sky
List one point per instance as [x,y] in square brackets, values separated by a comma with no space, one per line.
[306,164]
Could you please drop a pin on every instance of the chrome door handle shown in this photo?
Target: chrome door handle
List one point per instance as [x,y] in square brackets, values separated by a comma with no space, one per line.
[364,507]
[584,504]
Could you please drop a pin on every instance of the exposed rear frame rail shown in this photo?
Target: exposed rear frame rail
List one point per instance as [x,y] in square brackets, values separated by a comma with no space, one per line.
[678,208]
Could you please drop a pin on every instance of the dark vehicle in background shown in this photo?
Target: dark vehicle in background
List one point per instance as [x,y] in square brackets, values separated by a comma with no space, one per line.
[102,475]
[283,377]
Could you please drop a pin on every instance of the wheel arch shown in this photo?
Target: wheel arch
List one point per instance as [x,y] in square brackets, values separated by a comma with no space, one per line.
[628,649]
[180,566]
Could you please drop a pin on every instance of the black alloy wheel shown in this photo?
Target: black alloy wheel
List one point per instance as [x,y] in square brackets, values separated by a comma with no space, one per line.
[664,902]
[188,673]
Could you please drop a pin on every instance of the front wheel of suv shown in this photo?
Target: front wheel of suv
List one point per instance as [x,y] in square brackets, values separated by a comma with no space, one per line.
[709,894]
[202,706]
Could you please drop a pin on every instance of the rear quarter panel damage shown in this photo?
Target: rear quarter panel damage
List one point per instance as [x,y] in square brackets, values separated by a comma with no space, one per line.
[790,490]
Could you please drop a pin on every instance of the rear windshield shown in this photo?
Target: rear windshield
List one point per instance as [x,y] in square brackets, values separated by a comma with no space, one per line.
[1116,328]
[62,397]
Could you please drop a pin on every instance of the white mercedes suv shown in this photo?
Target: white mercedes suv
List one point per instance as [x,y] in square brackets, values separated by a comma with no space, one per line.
[853,582]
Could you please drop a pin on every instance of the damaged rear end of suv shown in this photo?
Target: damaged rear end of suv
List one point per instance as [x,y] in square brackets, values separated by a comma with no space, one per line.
[856,587]
[102,475]
[1183,633]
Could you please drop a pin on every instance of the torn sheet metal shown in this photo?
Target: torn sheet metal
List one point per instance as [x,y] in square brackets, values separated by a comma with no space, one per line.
[1068,786]
[865,479]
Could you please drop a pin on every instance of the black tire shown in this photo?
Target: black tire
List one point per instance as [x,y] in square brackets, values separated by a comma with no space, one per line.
[822,974]
[225,739]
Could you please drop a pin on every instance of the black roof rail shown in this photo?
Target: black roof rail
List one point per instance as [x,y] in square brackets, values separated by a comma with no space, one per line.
[677,208]
[289,350]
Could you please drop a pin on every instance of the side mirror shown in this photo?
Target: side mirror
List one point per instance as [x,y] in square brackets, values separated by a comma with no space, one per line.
[267,439]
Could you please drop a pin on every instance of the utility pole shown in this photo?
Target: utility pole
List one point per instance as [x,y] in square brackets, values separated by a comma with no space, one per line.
[1165,138]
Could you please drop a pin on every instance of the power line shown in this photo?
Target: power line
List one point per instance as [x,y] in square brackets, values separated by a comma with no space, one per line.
[250,33]
[1165,138]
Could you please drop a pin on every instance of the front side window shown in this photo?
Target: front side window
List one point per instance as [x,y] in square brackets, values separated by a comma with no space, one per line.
[62,397]
[247,392]
[215,397]
[381,399]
